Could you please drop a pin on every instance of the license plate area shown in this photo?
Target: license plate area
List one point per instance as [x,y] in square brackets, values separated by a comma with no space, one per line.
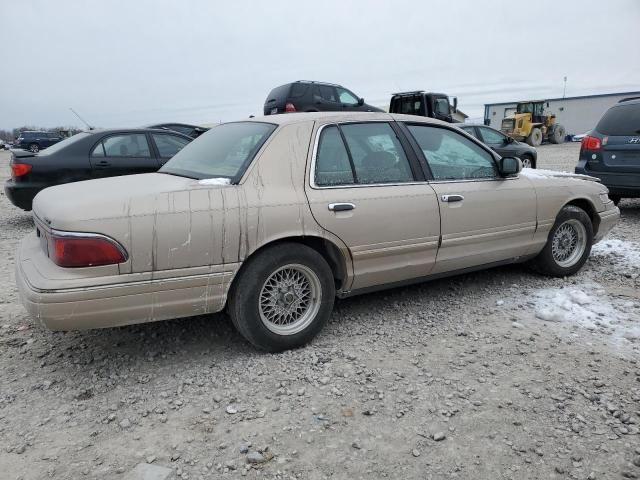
[274,110]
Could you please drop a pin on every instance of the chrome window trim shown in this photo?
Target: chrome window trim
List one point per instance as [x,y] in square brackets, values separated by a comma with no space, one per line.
[312,179]
[314,186]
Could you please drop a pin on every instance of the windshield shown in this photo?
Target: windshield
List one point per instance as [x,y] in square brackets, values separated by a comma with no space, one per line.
[525,107]
[56,147]
[224,151]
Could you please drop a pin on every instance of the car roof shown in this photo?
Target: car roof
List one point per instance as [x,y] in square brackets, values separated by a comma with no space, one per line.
[338,117]
[134,130]
[623,102]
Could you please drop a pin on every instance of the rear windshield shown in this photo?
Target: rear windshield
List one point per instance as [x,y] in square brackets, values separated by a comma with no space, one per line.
[621,120]
[278,94]
[224,151]
[56,147]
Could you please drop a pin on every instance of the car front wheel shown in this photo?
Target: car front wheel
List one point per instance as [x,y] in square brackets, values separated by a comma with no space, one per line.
[527,161]
[568,245]
[282,297]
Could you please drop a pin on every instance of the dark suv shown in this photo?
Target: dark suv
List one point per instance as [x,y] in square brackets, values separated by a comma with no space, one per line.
[308,96]
[611,151]
[35,141]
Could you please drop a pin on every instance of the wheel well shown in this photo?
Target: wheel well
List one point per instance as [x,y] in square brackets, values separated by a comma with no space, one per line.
[588,207]
[329,251]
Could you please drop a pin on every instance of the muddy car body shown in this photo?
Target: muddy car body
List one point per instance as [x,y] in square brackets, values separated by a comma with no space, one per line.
[294,211]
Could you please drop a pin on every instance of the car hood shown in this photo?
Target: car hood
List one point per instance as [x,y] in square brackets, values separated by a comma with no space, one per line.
[540,173]
[78,206]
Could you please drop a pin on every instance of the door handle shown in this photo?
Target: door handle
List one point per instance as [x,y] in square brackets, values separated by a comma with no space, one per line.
[452,198]
[341,207]
[103,163]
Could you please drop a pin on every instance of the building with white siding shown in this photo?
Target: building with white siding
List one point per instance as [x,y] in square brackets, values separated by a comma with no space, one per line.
[577,114]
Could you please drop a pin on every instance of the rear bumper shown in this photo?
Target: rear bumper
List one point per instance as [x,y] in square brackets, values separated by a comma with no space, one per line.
[623,184]
[21,195]
[608,220]
[46,294]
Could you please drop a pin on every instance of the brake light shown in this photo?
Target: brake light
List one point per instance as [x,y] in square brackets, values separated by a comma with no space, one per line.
[79,251]
[20,169]
[591,143]
[289,107]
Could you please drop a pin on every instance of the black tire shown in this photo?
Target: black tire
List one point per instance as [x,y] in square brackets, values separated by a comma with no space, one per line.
[535,137]
[34,148]
[557,134]
[528,158]
[244,303]
[546,263]
[615,199]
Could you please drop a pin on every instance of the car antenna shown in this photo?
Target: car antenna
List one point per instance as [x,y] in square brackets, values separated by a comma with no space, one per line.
[81,119]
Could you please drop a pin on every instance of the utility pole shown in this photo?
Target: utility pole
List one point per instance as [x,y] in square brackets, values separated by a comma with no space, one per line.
[564,90]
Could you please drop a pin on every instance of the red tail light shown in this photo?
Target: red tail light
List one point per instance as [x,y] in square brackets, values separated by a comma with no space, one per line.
[20,169]
[591,143]
[290,107]
[80,251]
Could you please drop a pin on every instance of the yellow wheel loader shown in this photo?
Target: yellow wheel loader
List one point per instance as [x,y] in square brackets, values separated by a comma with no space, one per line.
[531,124]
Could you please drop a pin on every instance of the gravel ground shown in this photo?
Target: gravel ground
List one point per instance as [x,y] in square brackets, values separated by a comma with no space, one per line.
[501,374]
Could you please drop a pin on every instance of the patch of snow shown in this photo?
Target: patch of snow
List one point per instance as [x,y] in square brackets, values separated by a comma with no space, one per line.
[214,181]
[619,252]
[540,172]
[589,307]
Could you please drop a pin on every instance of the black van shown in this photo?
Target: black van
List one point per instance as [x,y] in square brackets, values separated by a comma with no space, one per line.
[309,96]
[611,151]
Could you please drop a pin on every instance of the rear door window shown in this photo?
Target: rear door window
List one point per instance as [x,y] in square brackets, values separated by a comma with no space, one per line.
[372,155]
[621,120]
[327,93]
[332,162]
[298,90]
[126,145]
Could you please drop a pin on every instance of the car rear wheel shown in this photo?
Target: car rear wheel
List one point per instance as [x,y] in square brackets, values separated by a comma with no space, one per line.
[527,161]
[282,297]
[535,137]
[568,245]
[34,148]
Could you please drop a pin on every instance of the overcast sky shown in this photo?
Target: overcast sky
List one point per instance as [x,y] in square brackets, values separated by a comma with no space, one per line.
[133,62]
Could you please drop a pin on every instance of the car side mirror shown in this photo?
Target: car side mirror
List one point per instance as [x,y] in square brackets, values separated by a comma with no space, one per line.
[508,140]
[361,101]
[509,166]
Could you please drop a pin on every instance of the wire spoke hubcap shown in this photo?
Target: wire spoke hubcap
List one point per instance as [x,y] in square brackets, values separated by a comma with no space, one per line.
[290,299]
[569,243]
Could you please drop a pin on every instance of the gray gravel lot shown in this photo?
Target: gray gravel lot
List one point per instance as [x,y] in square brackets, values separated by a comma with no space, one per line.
[501,374]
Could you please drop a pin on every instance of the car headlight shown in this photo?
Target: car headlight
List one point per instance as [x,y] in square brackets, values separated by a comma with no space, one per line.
[604,197]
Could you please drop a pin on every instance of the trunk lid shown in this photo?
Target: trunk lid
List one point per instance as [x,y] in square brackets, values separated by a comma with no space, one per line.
[620,154]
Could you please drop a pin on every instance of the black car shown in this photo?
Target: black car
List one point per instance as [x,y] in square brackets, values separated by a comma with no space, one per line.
[504,145]
[611,151]
[308,96]
[35,140]
[193,131]
[89,155]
